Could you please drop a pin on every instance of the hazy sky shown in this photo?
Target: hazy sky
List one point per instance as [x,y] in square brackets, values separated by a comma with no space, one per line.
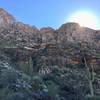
[52,13]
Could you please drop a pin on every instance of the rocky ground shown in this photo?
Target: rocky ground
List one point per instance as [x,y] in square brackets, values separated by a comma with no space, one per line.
[48,64]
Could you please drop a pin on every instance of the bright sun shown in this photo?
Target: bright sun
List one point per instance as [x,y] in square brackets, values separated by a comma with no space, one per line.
[85,19]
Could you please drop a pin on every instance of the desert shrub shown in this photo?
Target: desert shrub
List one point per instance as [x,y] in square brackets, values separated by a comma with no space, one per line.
[92,97]
[8,78]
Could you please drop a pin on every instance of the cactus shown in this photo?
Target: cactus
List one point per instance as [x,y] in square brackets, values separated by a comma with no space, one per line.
[90,77]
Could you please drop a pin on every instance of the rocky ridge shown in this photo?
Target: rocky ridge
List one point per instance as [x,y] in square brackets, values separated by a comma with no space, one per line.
[27,35]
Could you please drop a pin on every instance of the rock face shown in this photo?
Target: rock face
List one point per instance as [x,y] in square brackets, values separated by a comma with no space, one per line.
[56,44]
[48,35]
[16,33]
[23,34]
[74,32]
[6,19]
[40,49]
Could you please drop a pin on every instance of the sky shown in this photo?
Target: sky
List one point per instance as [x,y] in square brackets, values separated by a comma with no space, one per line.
[45,13]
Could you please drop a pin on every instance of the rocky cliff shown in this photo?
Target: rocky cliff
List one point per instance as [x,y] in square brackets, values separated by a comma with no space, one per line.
[70,47]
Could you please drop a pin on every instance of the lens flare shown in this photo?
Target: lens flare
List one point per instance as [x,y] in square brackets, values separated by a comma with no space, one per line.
[85,19]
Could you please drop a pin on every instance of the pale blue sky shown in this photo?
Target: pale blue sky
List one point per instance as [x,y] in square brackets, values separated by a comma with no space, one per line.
[52,13]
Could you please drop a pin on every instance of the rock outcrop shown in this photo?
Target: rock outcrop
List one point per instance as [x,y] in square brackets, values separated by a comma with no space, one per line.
[6,19]
[29,36]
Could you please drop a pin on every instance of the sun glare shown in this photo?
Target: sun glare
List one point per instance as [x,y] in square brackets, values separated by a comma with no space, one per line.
[85,19]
